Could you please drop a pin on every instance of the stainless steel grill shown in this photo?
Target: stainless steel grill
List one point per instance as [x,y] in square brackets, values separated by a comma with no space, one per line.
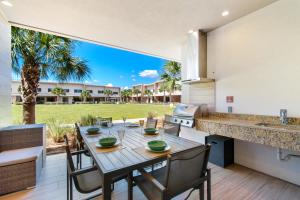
[186,114]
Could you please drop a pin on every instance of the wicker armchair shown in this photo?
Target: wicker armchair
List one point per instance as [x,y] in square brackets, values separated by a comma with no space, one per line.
[185,170]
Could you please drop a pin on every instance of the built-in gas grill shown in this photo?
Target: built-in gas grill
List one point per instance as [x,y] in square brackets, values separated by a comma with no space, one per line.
[186,114]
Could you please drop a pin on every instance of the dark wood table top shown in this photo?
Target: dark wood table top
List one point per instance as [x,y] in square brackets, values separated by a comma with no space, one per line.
[132,154]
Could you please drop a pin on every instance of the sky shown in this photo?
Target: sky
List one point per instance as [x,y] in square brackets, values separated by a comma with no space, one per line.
[115,67]
[110,66]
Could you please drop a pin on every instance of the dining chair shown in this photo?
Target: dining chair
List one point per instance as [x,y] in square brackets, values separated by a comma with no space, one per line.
[86,180]
[105,119]
[184,171]
[171,128]
[151,123]
[80,146]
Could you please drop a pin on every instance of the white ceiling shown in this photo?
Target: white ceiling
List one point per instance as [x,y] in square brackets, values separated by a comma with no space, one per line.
[155,27]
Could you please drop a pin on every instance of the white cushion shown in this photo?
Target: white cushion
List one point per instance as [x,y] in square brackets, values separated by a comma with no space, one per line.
[18,156]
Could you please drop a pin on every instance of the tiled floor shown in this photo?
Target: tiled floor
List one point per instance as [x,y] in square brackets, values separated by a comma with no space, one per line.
[233,183]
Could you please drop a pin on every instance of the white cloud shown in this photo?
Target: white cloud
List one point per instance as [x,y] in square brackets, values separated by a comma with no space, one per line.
[132,76]
[109,85]
[125,88]
[149,73]
[133,79]
[95,81]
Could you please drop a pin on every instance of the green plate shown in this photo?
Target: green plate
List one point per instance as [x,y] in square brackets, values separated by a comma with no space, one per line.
[157,145]
[93,131]
[108,141]
[150,131]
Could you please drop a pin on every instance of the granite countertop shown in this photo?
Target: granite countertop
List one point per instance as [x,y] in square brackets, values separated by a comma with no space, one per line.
[271,133]
[254,124]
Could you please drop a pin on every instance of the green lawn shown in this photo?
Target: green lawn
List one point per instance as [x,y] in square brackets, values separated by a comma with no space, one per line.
[71,113]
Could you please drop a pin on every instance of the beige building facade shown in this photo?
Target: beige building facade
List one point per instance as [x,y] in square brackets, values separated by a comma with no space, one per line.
[157,95]
[72,93]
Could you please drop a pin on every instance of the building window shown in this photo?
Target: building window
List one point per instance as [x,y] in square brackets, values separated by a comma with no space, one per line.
[100,91]
[115,92]
[49,89]
[66,90]
[90,91]
[77,91]
[39,89]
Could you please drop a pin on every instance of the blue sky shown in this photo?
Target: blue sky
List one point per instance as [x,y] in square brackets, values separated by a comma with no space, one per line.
[118,67]
[111,66]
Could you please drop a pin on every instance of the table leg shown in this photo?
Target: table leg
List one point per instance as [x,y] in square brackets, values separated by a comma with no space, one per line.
[129,180]
[106,188]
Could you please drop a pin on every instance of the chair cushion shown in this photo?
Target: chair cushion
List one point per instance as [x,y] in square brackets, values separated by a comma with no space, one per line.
[18,156]
[90,181]
[150,191]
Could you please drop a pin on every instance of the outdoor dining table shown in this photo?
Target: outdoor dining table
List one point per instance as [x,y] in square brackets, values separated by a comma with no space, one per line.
[131,155]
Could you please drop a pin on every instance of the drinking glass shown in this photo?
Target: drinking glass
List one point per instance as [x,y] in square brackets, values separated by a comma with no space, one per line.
[121,134]
[161,132]
[124,120]
[142,125]
[109,125]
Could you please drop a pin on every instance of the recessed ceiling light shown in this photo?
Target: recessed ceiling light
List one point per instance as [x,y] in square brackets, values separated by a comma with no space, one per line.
[191,31]
[225,13]
[7,3]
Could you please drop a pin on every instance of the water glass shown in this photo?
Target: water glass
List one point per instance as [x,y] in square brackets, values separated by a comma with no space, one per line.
[142,125]
[121,134]
[124,120]
[161,132]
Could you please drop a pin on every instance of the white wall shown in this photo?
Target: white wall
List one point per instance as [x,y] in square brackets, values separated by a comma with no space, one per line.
[5,72]
[256,59]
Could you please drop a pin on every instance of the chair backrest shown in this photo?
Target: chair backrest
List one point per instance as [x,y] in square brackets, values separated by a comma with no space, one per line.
[79,139]
[151,123]
[172,128]
[186,170]
[70,163]
[108,119]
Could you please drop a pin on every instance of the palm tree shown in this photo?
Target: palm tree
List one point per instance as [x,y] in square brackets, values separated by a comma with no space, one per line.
[164,88]
[149,94]
[126,94]
[37,55]
[171,76]
[58,92]
[84,95]
[136,92]
[108,93]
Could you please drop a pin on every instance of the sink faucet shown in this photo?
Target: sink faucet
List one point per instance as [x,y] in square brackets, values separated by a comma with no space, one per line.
[283,117]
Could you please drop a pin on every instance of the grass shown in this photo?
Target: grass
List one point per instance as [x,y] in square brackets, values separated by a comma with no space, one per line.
[72,113]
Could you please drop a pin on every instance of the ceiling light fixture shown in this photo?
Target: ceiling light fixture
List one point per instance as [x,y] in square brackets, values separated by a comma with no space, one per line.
[191,31]
[225,13]
[7,3]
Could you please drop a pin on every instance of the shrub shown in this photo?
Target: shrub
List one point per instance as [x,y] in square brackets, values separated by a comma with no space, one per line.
[88,120]
[57,131]
[151,115]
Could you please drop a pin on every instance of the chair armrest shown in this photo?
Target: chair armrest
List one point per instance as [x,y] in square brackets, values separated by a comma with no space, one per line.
[84,170]
[151,179]
[79,152]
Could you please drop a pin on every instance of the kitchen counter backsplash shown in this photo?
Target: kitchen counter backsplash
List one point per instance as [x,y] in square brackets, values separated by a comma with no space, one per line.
[256,118]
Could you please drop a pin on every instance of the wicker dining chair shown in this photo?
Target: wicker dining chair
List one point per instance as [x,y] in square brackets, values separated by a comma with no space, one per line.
[151,123]
[185,170]
[171,128]
[86,180]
